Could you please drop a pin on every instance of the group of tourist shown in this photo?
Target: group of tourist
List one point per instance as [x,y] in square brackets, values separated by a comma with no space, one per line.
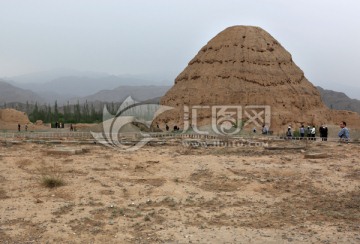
[59,125]
[167,128]
[19,127]
[310,132]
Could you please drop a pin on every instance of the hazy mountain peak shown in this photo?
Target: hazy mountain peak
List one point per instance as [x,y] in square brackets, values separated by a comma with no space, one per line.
[339,100]
[10,93]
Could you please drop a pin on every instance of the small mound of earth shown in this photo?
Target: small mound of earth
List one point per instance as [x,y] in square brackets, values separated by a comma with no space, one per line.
[13,116]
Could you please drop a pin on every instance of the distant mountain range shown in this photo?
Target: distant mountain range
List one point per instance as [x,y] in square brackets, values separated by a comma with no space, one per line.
[80,86]
[339,100]
[10,93]
[96,89]
[70,85]
[139,93]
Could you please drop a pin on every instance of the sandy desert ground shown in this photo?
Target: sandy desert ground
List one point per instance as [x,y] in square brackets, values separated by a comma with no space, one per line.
[178,194]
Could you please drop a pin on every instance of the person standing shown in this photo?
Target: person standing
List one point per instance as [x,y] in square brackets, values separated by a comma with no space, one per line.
[19,127]
[265,130]
[344,133]
[302,131]
[321,130]
[326,131]
[313,133]
[289,133]
[308,132]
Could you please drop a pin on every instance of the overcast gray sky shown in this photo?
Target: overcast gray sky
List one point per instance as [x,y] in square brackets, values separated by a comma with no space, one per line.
[161,36]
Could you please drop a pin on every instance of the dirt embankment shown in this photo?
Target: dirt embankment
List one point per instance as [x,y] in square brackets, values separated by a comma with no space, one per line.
[10,118]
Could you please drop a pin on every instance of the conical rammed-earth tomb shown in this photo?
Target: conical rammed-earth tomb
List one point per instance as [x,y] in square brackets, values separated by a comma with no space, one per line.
[245,66]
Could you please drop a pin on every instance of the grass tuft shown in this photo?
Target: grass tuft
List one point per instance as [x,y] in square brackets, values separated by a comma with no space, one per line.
[51,177]
[51,181]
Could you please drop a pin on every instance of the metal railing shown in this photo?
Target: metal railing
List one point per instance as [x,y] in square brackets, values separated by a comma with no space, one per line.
[46,135]
[136,135]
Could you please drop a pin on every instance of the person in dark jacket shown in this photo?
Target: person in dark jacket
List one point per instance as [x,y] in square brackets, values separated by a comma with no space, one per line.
[321,130]
[326,131]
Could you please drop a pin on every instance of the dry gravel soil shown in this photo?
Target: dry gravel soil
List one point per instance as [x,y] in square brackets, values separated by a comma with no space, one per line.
[175,194]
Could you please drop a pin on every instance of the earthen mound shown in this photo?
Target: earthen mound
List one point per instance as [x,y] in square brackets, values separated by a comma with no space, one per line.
[245,66]
[13,116]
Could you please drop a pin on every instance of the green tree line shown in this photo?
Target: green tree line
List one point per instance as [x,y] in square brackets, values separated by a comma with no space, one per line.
[80,113]
[74,113]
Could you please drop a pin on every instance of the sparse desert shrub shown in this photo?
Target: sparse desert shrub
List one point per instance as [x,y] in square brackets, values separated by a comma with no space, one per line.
[51,177]
[52,181]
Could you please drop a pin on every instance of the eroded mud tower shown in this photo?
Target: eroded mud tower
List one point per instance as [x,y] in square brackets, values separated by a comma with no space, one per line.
[245,66]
